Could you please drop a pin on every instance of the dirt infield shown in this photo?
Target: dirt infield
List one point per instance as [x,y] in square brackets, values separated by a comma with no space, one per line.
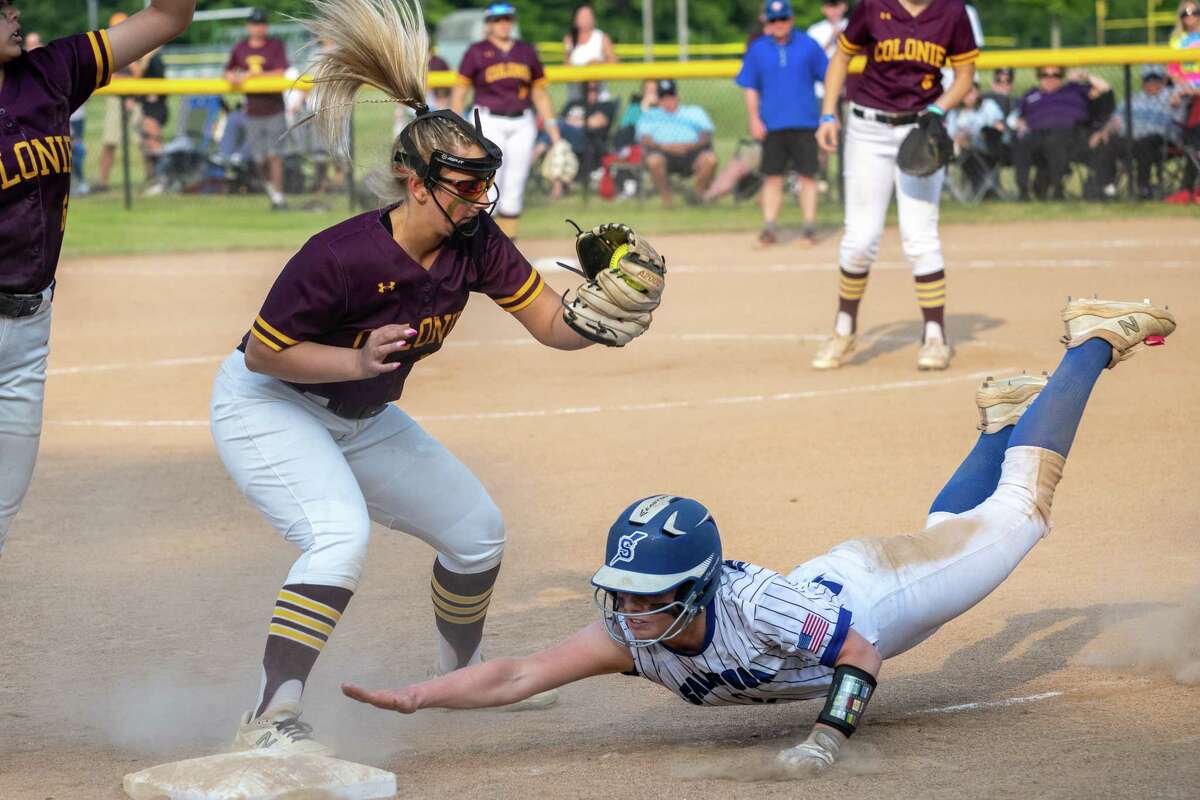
[137,584]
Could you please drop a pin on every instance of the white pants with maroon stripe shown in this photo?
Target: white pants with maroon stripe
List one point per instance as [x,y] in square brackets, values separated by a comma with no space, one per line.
[901,589]
[871,175]
[321,480]
[515,136]
[24,348]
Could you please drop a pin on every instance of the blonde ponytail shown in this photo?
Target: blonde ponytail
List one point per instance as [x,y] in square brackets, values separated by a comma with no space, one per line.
[379,43]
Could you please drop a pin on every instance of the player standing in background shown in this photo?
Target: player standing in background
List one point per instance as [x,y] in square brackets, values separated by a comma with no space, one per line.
[38,92]
[906,44]
[720,632]
[509,82]
[262,56]
[302,410]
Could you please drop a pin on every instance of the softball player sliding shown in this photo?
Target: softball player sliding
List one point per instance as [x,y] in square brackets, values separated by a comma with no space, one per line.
[508,81]
[906,44]
[301,410]
[727,632]
[39,90]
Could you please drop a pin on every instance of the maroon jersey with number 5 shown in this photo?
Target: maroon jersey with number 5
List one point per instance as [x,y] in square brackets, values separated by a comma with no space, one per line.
[905,54]
[41,88]
[352,278]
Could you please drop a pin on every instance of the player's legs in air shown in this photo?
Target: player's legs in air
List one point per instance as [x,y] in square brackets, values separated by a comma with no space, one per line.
[996,506]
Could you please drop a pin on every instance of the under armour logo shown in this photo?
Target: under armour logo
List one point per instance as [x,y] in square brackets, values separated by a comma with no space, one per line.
[626,546]
[1129,326]
[885,15]
[386,287]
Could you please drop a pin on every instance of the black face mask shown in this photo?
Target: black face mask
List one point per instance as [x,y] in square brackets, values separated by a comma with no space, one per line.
[482,170]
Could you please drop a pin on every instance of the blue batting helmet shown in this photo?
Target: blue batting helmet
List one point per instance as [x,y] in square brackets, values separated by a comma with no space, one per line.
[657,544]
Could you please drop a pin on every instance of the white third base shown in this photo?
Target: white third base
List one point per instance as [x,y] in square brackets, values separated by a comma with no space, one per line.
[253,775]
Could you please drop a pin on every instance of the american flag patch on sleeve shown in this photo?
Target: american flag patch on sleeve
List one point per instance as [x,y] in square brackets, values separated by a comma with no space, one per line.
[812,634]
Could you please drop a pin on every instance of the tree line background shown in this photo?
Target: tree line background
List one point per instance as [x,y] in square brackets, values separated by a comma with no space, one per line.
[1029,21]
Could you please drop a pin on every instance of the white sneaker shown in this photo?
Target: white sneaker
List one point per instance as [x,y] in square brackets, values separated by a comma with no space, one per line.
[535,702]
[280,734]
[934,354]
[834,352]
[1128,327]
[1002,402]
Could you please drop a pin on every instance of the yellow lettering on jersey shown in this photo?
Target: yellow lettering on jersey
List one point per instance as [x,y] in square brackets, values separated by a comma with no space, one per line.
[434,330]
[47,155]
[5,181]
[254,64]
[22,151]
[506,69]
[910,50]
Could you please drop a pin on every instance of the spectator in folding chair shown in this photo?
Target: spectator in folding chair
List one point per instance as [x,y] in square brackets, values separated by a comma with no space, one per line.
[585,123]
[741,176]
[968,125]
[1155,126]
[1052,126]
[677,140]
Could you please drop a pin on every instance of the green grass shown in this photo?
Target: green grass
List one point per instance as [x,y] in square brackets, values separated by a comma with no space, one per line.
[99,225]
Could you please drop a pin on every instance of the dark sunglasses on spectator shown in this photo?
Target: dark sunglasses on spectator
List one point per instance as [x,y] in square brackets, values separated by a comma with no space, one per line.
[1050,75]
[779,19]
[1001,80]
[468,188]
[1189,12]
[501,18]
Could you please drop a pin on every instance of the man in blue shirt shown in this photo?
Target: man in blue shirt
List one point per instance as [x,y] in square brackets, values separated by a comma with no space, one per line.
[676,139]
[779,73]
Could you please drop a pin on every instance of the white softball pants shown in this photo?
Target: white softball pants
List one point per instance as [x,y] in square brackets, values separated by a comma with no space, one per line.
[901,589]
[515,136]
[871,174]
[24,348]
[321,480]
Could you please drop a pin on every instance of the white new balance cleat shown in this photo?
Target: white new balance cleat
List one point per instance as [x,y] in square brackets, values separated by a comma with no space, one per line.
[934,354]
[1002,402]
[1128,327]
[835,351]
[281,733]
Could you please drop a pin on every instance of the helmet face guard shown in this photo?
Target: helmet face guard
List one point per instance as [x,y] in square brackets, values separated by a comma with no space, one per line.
[482,169]
[684,609]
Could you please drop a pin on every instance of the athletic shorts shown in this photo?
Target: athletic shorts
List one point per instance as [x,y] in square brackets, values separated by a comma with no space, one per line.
[264,135]
[683,164]
[797,146]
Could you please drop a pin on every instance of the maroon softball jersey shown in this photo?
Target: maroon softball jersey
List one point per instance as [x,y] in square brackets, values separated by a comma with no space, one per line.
[905,54]
[271,56]
[352,278]
[502,81]
[41,88]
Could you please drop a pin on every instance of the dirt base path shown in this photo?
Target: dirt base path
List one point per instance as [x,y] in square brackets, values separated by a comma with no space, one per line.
[137,583]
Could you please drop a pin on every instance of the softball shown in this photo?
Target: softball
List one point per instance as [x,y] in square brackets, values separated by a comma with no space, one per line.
[614,264]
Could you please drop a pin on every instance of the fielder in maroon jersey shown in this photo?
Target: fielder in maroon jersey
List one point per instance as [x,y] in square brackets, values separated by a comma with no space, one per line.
[906,44]
[39,90]
[302,411]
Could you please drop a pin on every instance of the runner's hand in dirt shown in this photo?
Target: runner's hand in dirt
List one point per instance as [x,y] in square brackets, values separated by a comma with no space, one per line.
[402,700]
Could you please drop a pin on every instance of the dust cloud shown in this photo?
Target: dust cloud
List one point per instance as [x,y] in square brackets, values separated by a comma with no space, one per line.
[749,766]
[1166,640]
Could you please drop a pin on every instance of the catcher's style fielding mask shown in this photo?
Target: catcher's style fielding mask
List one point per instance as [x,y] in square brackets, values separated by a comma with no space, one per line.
[657,544]
[482,170]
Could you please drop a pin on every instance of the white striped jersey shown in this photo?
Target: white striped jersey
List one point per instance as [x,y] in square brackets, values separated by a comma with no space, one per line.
[767,640]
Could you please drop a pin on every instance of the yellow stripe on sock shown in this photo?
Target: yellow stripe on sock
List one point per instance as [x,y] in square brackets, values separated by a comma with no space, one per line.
[453,620]
[459,610]
[305,620]
[931,303]
[312,605]
[297,636]
[460,598]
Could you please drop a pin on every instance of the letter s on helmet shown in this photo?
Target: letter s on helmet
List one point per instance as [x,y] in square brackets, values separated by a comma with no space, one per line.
[657,544]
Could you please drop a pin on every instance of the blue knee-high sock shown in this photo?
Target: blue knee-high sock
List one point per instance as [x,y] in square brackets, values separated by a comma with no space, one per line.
[1052,420]
[976,478]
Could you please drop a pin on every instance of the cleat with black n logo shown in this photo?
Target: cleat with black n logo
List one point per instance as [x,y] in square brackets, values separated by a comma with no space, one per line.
[1128,327]
[280,733]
